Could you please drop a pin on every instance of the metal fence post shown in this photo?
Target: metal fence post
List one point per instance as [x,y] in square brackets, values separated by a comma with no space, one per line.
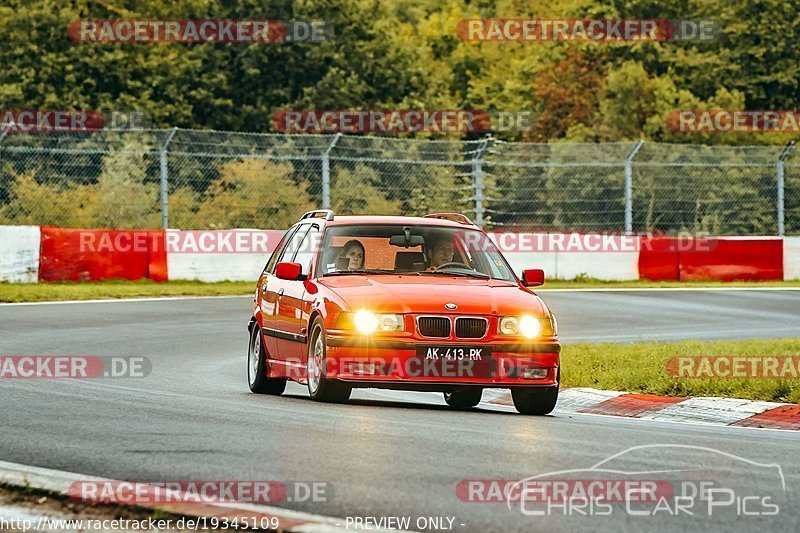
[3,137]
[478,184]
[629,187]
[164,180]
[326,172]
[780,198]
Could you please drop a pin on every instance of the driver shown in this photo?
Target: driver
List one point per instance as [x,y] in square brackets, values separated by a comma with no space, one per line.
[441,252]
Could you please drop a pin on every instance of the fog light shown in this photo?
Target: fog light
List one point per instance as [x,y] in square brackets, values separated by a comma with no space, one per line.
[361,369]
[535,373]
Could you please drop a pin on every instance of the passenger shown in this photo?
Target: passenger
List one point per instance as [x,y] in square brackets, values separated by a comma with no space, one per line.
[352,256]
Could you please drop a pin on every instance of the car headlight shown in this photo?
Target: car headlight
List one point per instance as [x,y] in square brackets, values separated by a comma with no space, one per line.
[526,326]
[390,322]
[367,322]
[529,326]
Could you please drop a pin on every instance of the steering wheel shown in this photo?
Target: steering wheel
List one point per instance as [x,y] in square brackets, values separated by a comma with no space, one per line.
[453,264]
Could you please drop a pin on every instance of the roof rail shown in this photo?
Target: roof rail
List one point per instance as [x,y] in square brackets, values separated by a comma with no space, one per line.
[327,214]
[455,217]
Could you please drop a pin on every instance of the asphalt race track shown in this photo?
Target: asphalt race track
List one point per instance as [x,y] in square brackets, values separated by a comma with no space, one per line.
[385,453]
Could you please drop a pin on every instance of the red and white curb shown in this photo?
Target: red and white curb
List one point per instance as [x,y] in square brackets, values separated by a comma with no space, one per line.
[709,410]
[59,482]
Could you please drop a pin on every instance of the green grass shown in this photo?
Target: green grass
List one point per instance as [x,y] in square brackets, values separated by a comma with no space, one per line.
[76,290]
[589,283]
[641,367]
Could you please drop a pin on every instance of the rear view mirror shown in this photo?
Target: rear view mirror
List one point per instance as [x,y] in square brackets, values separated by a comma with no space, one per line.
[406,241]
[533,277]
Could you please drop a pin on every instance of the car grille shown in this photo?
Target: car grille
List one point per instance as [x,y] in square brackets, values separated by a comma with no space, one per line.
[439,327]
[470,328]
[434,326]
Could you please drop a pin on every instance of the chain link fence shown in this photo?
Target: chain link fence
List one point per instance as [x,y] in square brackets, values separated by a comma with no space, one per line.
[193,179]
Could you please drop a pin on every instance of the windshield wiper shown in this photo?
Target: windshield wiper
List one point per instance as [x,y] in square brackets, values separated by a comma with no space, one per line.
[359,271]
[480,275]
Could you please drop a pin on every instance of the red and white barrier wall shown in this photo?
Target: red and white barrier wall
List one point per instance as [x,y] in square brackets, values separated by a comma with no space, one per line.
[33,253]
[81,255]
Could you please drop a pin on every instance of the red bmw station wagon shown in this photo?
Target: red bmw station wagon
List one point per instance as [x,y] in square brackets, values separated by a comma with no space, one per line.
[413,303]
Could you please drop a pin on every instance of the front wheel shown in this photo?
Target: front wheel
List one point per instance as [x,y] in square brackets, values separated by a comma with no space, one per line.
[257,372]
[462,399]
[535,400]
[320,388]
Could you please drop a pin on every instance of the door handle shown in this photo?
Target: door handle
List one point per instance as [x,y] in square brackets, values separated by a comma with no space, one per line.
[280,292]
[264,287]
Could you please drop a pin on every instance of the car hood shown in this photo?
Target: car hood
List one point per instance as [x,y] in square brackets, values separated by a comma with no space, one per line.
[429,294]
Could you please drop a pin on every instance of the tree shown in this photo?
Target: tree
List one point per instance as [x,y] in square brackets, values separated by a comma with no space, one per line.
[252,193]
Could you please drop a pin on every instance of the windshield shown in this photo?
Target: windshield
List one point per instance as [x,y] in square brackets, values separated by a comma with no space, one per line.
[410,249]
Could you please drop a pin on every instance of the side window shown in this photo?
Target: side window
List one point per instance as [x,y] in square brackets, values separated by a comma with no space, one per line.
[294,244]
[305,254]
[273,259]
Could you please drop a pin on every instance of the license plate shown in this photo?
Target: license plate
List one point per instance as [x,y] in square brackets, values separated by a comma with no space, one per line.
[455,361]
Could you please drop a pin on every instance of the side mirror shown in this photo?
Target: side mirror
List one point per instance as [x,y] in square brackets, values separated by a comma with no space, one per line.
[289,271]
[533,277]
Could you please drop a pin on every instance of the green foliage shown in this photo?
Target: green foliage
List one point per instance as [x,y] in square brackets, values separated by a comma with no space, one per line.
[37,203]
[391,54]
[357,192]
[249,193]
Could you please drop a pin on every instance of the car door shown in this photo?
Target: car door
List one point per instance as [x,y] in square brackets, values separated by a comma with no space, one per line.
[270,288]
[283,323]
[295,305]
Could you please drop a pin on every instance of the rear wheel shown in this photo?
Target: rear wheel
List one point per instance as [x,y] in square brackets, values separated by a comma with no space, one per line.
[257,370]
[463,398]
[320,388]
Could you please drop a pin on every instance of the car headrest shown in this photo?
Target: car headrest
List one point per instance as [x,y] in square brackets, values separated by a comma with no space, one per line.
[406,261]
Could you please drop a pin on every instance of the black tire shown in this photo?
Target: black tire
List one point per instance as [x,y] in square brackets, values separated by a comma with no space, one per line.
[462,399]
[320,388]
[257,376]
[535,400]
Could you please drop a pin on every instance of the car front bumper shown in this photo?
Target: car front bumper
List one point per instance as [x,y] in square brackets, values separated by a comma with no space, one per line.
[376,362]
